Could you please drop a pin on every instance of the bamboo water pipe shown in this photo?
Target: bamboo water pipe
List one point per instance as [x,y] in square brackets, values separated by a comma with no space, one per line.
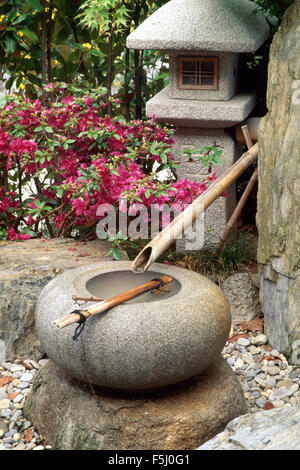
[170,233]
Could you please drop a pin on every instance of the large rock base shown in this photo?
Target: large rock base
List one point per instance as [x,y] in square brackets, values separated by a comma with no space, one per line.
[74,415]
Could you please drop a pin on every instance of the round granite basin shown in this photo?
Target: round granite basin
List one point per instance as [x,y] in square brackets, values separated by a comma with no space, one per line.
[151,342]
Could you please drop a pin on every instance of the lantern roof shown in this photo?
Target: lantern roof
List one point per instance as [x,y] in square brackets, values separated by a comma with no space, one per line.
[202,25]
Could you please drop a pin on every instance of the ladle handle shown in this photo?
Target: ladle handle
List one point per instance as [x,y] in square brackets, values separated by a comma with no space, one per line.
[112,302]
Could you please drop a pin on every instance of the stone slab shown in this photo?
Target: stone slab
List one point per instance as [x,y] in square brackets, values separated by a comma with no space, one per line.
[277,429]
[199,113]
[73,415]
[217,25]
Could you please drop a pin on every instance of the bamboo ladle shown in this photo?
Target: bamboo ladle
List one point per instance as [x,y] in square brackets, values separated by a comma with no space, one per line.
[82,315]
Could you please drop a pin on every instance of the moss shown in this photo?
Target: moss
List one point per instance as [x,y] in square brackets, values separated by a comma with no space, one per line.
[77,437]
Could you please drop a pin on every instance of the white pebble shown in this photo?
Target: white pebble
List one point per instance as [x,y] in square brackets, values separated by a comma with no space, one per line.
[259,340]
[30,446]
[26,377]
[294,388]
[17,368]
[18,398]
[274,353]
[278,403]
[239,364]
[243,342]
[4,404]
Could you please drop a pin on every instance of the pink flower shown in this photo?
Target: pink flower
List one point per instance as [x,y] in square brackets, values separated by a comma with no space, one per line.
[30,220]
[68,99]
[11,234]
[88,101]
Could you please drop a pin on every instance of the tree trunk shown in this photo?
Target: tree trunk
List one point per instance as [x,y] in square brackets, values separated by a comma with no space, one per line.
[49,36]
[43,51]
[109,69]
[126,86]
[138,68]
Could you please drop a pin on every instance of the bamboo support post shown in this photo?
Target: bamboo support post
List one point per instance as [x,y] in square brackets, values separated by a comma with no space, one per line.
[247,137]
[170,233]
[246,194]
[75,317]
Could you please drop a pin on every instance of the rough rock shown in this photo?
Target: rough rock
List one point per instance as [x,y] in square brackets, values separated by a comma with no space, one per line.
[25,269]
[242,296]
[141,345]
[73,415]
[277,429]
[278,216]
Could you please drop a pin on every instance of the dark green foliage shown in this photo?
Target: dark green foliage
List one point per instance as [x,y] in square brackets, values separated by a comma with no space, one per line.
[274,8]
[237,252]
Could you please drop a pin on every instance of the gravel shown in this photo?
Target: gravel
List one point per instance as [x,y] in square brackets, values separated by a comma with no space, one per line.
[16,433]
[267,380]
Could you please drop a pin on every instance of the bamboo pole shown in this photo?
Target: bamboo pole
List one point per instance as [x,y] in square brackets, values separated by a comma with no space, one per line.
[170,233]
[88,299]
[246,194]
[77,316]
[240,206]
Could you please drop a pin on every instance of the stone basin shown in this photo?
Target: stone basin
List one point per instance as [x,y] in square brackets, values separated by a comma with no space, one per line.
[149,343]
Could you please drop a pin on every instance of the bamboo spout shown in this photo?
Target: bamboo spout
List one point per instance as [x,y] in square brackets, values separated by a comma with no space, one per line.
[170,233]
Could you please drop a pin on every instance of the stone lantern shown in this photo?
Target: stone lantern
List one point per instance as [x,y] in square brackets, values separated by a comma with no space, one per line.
[204,40]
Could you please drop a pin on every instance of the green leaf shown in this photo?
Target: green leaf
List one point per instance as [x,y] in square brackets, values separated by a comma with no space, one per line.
[96,52]
[117,254]
[2,100]
[27,231]
[30,34]
[39,204]
[164,158]
[35,5]
[19,19]
[59,192]
[10,44]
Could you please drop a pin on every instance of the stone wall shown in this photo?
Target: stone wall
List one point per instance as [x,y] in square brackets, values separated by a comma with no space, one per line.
[278,216]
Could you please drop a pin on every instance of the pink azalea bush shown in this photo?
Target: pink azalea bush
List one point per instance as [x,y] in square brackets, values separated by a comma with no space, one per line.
[58,163]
